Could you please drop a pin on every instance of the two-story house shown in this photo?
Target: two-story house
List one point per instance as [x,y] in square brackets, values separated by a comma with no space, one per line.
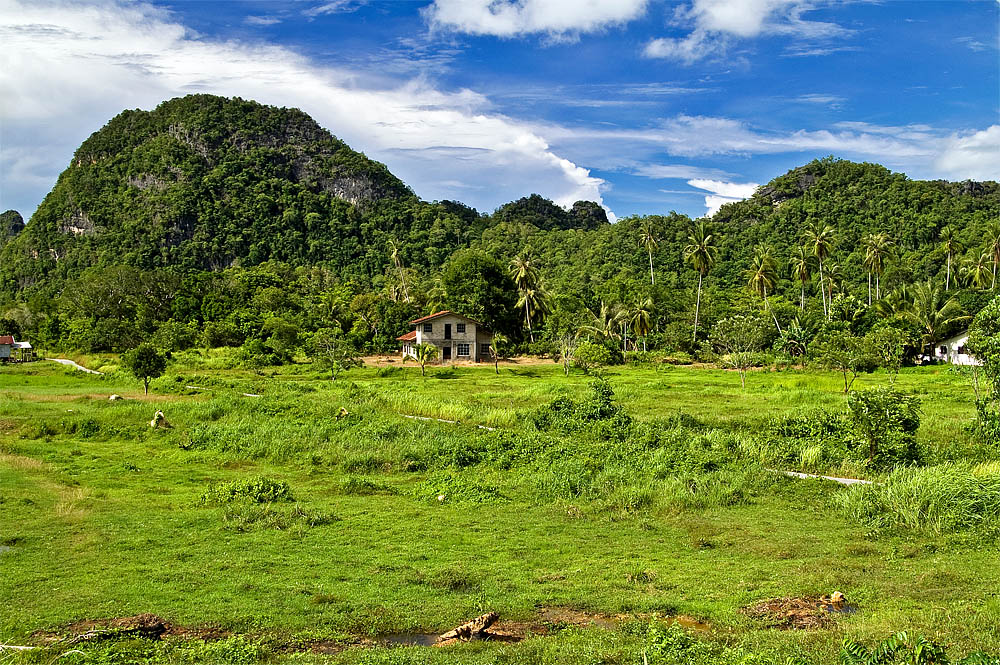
[456,337]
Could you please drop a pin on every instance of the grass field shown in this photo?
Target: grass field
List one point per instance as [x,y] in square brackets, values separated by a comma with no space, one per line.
[398,525]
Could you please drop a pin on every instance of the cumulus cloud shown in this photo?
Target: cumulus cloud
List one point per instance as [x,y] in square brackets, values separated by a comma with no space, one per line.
[715,24]
[975,155]
[66,68]
[723,192]
[509,18]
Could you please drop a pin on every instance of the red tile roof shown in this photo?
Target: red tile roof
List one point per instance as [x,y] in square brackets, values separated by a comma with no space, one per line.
[408,337]
[435,315]
[7,339]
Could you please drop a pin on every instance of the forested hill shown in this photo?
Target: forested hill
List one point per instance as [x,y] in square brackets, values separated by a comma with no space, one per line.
[855,199]
[206,182]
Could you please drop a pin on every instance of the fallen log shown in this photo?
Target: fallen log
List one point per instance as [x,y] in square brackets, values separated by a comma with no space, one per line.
[471,629]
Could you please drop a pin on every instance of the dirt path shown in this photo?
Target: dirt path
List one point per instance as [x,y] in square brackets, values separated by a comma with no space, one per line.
[842,481]
[70,363]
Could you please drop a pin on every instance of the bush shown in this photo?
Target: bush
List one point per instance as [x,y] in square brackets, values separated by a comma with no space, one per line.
[883,425]
[941,499]
[589,355]
[255,490]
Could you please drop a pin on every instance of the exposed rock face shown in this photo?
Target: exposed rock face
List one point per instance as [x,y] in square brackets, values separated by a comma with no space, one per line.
[11,223]
[79,224]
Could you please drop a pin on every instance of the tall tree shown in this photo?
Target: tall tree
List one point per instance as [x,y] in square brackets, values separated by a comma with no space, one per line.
[399,266]
[762,277]
[702,255]
[877,248]
[821,239]
[641,316]
[648,239]
[993,247]
[934,312]
[536,304]
[977,270]
[526,278]
[802,265]
[604,323]
[952,246]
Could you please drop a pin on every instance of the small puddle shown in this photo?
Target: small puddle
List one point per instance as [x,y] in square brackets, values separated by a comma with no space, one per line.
[689,623]
[838,608]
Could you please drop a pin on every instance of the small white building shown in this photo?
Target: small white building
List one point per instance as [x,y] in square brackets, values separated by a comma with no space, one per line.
[456,337]
[954,350]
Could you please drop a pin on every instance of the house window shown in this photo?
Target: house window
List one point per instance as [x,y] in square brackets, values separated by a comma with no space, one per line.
[484,350]
[463,349]
[944,350]
[428,327]
[460,329]
[961,349]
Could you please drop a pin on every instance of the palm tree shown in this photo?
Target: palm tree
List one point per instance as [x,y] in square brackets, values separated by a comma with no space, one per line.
[802,264]
[933,312]
[497,350]
[877,247]
[641,316]
[951,246]
[437,296]
[399,267]
[762,277]
[536,303]
[896,304]
[526,278]
[648,239]
[424,354]
[977,271]
[993,247]
[702,255]
[834,276]
[821,240]
[604,323]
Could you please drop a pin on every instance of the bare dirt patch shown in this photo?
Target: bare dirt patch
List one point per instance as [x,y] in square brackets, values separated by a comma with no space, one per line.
[805,613]
[145,625]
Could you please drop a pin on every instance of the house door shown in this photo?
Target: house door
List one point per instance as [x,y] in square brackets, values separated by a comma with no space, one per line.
[447,331]
[446,353]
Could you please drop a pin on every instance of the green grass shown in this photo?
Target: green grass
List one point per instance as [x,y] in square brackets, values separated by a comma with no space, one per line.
[104,517]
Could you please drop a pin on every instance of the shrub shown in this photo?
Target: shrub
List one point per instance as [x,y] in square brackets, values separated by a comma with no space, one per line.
[941,499]
[589,355]
[883,423]
[457,488]
[254,490]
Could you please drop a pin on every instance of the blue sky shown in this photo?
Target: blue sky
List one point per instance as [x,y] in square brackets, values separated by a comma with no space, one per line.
[646,106]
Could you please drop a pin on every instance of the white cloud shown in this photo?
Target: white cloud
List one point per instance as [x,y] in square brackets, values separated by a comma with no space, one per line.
[723,192]
[508,18]
[67,68]
[335,7]
[715,24]
[262,20]
[679,171]
[975,155]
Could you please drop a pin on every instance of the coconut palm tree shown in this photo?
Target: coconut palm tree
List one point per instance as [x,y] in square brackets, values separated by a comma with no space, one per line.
[424,354]
[877,248]
[895,304]
[604,323]
[702,255]
[821,239]
[802,265]
[977,271]
[437,296]
[831,281]
[399,266]
[641,316]
[526,278]
[933,312]
[951,245]
[993,247]
[762,277]
[536,304]
[648,239]
[497,350]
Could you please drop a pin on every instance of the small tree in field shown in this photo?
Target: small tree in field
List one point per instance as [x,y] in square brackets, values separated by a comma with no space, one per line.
[146,363]
[498,350]
[331,351]
[739,340]
[841,351]
[884,422]
[424,354]
[567,349]
[889,344]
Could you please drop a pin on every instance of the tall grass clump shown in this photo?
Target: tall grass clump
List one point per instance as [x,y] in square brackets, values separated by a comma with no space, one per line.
[941,499]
